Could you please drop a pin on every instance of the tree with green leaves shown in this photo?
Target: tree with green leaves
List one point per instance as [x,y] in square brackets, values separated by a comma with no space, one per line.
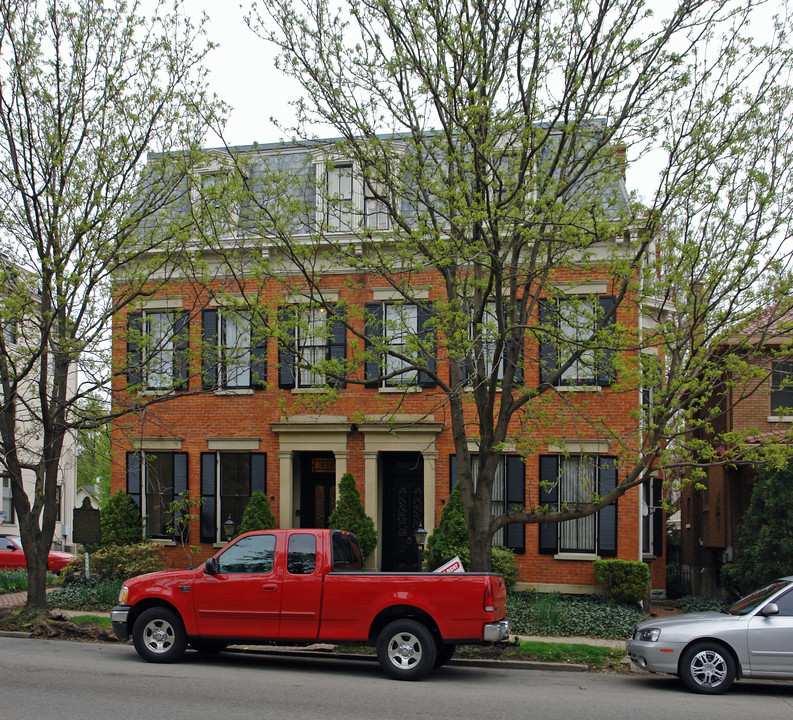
[479,178]
[87,225]
[257,515]
[350,515]
[450,538]
[765,535]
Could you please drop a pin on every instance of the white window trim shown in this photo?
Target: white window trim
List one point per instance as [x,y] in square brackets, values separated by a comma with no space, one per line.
[321,166]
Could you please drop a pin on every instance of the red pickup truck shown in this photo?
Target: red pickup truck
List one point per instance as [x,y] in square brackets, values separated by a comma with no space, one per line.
[298,586]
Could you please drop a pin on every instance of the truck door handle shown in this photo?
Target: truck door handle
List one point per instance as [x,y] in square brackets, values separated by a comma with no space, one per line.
[270,588]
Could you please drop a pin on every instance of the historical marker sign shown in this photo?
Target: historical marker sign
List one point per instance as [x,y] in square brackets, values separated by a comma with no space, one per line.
[86,529]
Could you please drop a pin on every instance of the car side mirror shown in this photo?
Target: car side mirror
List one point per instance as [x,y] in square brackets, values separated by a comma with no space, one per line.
[770,609]
[211,566]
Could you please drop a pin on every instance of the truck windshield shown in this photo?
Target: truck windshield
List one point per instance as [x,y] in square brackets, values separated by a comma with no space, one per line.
[346,551]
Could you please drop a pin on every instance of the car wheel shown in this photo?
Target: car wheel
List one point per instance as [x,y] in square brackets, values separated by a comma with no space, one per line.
[208,647]
[445,653]
[708,668]
[159,635]
[406,650]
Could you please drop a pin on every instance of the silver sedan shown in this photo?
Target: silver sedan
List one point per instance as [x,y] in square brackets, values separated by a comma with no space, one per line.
[711,650]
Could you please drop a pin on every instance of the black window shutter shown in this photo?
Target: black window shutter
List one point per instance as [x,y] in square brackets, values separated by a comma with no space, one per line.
[181,347]
[515,534]
[258,357]
[133,477]
[258,472]
[549,495]
[606,374]
[286,347]
[607,517]
[337,344]
[209,349]
[427,337]
[658,516]
[208,497]
[454,476]
[181,528]
[373,313]
[549,361]
[134,354]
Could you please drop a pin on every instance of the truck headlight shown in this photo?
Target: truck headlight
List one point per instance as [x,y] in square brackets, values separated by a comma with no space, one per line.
[122,596]
[650,634]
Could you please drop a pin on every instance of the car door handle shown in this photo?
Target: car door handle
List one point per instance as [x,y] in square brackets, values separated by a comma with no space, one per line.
[270,588]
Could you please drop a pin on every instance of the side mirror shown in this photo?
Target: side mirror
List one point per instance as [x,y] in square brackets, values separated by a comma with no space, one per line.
[770,609]
[211,566]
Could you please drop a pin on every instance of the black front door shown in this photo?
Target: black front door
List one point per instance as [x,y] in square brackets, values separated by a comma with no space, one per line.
[403,509]
[317,489]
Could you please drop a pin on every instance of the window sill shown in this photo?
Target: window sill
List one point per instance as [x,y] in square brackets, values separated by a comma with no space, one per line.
[163,541]
[578,388]
[405,389]
[588,557]
[310,391]
[234,391]
[220,544]
[780,419]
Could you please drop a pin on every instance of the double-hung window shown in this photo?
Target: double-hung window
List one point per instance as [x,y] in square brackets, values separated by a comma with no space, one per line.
[509,491]
[400,344]
[375,212]
[6,503]
[781,388]
[485,337]
[340,214]
[312,347]
[346,200]
[653,529]
[576,339]
[154,482]
[9,332]
[228,479]
[234,350]
[157,349]
[567,482]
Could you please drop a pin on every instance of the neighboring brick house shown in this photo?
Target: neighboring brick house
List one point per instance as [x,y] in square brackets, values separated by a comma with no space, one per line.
[760,407]
[244,420]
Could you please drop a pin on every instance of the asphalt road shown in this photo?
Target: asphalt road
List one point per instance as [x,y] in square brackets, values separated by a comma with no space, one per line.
[58,680]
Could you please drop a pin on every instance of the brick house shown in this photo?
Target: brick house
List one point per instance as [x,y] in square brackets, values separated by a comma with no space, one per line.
[246,417]
[760,406]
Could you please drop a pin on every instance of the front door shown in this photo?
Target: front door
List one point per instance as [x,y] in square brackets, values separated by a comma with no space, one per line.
[403,510]
[317,489]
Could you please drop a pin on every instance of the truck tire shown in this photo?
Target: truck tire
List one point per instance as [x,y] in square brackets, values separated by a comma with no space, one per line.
[406,650]
[159,635]
[445,653]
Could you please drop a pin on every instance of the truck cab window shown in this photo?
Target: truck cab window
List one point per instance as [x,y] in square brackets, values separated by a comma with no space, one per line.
[253,554]
[301,557]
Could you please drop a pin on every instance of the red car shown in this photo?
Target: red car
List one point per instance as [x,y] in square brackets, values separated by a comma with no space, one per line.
[12,555]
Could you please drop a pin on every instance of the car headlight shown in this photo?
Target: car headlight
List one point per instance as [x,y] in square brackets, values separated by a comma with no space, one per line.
[649,634]
[122,596]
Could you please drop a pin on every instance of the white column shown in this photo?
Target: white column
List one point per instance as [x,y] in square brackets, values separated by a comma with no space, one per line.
[287,513]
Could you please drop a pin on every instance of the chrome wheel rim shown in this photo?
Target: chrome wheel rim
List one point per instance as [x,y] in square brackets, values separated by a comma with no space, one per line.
[708,668]
[158,636]
[404,650]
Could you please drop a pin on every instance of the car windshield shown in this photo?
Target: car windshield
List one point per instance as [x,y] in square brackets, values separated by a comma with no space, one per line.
[752,601]
[15,539]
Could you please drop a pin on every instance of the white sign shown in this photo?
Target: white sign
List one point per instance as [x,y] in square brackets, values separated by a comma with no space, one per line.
[455,565]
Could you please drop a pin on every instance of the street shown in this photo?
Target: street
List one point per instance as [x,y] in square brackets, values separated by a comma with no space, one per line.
[58,680]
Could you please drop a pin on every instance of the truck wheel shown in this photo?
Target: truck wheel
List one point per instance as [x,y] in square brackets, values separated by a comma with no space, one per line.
[406,650]
[707,667]
[159,635]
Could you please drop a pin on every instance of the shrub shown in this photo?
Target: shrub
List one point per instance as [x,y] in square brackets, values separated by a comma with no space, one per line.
[450,538]
[257,515]
[115,561]
[82,594]
[534,613]
[503,563]
[627,580]
[120,521]
[701,603]
[349,515]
